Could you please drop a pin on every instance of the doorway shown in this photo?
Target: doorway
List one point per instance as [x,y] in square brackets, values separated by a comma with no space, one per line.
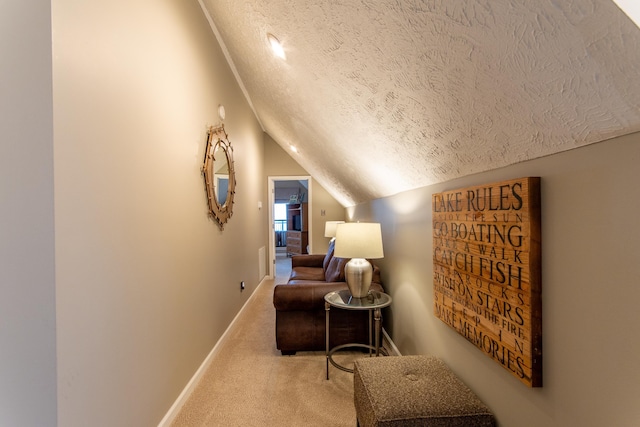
[284,192]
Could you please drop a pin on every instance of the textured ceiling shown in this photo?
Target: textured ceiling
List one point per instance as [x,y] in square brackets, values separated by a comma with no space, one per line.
[384,96]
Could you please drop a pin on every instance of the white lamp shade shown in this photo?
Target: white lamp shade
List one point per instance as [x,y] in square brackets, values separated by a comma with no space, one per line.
[359,240]
[330,228]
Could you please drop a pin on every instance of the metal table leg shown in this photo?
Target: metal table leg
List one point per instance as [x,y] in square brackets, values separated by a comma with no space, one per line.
[378,321]
[327,306]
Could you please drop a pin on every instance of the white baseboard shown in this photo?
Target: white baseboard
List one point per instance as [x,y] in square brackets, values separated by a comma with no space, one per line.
[171,415]
[191,385]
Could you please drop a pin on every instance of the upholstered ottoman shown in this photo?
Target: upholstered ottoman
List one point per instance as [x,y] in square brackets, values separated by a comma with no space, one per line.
[414,391]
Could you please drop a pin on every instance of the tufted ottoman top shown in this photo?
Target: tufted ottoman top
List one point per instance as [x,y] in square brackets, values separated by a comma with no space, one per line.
[414,391]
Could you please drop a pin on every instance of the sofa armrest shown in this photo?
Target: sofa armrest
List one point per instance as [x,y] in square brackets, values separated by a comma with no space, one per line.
[313,260]
[308,295]
[303,297]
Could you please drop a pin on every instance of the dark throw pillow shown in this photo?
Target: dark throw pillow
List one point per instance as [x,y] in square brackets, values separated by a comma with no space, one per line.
[335,270]
[328,256]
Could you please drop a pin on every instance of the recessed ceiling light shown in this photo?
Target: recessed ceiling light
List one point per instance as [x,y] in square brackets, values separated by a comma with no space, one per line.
[276,46]
[293,148]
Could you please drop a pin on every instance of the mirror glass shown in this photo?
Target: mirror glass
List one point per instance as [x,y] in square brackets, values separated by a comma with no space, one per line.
[219,175]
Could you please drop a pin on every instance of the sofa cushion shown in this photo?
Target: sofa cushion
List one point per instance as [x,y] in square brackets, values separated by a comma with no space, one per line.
[307,273]
[307,260]
[335,271]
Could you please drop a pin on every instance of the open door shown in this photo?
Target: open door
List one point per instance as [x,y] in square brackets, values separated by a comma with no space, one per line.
[289,215]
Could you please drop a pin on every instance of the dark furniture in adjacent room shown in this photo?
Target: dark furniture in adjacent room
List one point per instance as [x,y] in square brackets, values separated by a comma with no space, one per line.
[297,228]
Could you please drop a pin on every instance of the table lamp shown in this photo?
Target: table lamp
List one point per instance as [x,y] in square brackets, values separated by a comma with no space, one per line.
[330,228]
[358,241]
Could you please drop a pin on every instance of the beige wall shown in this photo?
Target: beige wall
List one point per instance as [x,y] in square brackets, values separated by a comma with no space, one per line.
[27,271]
[590,289]
[279,163]
[146,283]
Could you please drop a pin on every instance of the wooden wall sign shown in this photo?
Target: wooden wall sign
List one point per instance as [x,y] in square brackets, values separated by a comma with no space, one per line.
[487,272]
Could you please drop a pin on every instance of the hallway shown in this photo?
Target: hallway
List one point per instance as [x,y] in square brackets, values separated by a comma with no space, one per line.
[249,383]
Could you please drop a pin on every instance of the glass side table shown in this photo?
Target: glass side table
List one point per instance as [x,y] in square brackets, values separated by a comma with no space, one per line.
[373,302]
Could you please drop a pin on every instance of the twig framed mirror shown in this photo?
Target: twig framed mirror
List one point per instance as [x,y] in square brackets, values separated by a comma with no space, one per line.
[219,175]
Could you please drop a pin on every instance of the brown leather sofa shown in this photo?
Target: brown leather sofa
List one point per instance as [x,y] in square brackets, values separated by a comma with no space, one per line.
[300,309]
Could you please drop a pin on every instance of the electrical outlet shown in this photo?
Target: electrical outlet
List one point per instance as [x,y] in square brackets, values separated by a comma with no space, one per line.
[242,286]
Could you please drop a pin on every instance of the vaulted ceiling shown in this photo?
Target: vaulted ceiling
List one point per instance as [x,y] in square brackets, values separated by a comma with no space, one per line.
[383,96]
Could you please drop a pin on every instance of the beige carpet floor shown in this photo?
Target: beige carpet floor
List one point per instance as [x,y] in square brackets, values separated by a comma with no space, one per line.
[249,383]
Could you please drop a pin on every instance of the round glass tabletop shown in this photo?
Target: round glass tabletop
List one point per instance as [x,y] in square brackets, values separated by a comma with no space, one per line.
[344,299]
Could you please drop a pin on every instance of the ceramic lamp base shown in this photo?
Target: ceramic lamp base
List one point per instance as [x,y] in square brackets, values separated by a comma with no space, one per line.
[358,273]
